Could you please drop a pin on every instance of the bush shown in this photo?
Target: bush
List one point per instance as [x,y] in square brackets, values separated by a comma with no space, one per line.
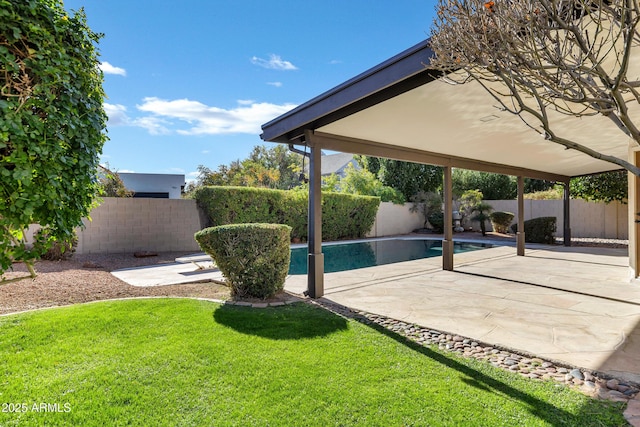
[538,230]
[253,257]
[436,219]
[57,250]
[500,221]
[343,215]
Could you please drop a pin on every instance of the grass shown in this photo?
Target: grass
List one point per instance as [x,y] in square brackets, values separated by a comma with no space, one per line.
[167,362]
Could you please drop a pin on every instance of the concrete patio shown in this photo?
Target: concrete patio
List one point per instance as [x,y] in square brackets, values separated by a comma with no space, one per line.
[568,304]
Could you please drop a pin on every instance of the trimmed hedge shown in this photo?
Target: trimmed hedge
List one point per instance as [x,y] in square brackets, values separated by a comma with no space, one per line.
[500,221]
[253,257]
[436,219]
[538,230]
[343,215]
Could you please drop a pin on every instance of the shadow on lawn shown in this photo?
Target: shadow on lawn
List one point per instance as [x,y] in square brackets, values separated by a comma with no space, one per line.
[485,383]
[292,322]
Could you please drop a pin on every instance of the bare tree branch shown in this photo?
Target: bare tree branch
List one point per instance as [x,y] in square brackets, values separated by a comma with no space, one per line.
[571,56]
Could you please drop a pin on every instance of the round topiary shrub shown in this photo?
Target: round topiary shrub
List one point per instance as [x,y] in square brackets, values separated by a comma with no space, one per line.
[539,230]
[500,221]
[436,219]
[253,257]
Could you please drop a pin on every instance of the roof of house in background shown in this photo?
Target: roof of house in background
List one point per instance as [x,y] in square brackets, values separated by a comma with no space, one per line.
[336,163]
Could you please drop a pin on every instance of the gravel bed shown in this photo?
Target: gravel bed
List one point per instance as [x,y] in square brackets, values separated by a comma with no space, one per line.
[86,278]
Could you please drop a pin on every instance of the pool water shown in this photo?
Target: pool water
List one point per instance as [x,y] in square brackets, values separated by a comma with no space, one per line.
[351,256]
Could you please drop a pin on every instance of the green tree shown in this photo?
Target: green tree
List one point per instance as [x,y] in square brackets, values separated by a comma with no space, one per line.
[406,177]
[467,202]
[275,167]
[482,211]
[111,184]
[427,204]
[493,186]
[364,183]
[605,187]
[51,123]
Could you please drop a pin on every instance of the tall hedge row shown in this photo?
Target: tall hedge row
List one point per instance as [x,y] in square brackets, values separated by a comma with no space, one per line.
[343,215]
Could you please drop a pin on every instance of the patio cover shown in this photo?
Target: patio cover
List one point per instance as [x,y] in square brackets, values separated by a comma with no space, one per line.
[399,109]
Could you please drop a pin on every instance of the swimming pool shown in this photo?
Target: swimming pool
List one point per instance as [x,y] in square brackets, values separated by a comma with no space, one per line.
[351,256]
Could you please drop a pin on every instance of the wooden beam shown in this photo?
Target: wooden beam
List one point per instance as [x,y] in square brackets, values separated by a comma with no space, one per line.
[520,240]
[447,242]
[315,261]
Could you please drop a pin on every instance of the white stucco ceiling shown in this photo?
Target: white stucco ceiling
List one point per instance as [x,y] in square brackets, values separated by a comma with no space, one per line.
[462,121]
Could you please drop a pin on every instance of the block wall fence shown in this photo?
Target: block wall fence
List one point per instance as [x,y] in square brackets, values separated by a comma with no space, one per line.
[121,225]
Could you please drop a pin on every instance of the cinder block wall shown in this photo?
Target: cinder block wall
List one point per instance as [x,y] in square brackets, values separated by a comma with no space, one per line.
[129,225]
[588,219]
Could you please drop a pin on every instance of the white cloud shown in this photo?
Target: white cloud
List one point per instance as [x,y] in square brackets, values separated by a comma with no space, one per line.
[110,69]
[205,151]
[154,125]
[335,61]
[276,84]
[193,174]
[205,120]
[275,62]
[117,114]
[126,171]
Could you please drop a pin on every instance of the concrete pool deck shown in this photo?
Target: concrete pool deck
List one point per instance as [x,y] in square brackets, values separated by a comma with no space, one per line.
[568,304]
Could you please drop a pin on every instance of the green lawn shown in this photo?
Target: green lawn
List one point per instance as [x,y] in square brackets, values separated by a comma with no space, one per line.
[184,362]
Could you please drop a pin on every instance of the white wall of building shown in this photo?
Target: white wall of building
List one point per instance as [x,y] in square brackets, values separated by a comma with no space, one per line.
[154,183]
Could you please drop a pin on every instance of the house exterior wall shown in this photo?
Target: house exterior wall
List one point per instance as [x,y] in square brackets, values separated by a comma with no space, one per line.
[154,183]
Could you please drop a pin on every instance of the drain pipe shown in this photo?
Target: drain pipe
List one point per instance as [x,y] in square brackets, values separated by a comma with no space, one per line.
[295,150]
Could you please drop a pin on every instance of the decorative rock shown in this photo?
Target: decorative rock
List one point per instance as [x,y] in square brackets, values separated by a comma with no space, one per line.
[588,376]
[144,254]
[547,365]
[613,384]
[616,396]
[91,264]
[563,370]
[575,373]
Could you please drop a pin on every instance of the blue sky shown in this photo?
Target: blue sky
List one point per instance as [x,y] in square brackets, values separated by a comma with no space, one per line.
[190,82]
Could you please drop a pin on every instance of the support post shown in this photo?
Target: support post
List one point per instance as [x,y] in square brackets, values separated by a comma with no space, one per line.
[447,242]
[566,234]
[520,241]
[315,260]
[634,215]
